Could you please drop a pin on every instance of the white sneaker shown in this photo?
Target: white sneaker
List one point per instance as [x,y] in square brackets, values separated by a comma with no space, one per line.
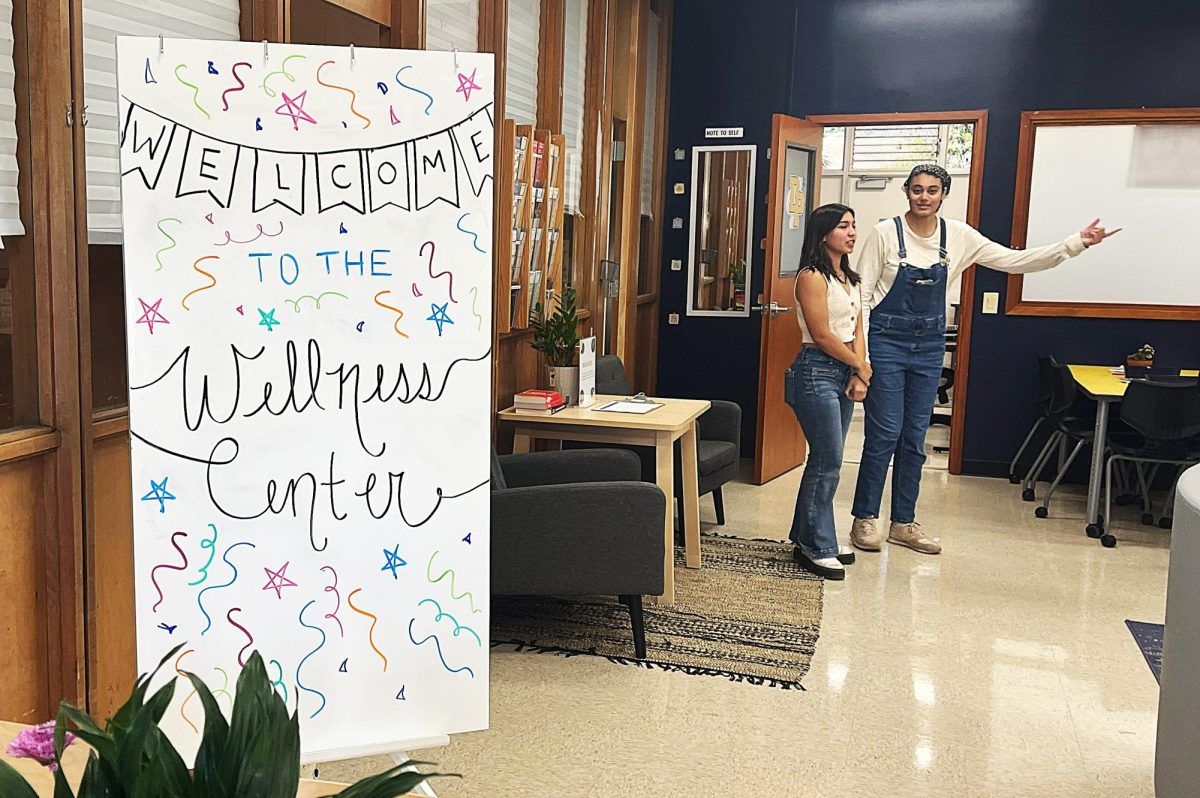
[827,567]
[845,555]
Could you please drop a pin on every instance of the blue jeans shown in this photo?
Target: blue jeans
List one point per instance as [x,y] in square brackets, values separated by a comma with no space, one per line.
[907,369]
[819,400]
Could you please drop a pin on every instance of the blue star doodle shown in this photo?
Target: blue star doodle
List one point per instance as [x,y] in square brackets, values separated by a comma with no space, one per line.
[268,319]
[439,317]
[394,561]
[158,493]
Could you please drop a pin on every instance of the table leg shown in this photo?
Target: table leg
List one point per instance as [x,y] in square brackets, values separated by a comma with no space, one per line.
[1101,435]
[522,443]
[691,496]
[665,478]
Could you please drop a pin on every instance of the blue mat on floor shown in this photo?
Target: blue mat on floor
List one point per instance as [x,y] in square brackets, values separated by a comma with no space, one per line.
[1149,638]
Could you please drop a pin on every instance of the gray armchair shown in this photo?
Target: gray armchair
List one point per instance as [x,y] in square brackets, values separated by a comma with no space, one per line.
[718,438]
[577,523]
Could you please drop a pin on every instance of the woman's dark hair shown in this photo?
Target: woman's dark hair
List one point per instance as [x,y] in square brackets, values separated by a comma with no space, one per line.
[814,255]
[933,170]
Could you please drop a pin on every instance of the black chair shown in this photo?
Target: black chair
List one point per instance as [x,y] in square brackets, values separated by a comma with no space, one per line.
[1166,416]
[577,523]
[718,439]
[1045,393]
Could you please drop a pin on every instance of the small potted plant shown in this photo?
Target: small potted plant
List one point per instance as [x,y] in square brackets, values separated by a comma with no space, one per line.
[557,337]
[738,274]
[1140,362]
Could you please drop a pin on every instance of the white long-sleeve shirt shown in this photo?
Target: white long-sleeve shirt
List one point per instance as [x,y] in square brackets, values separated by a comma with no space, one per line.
[879,261]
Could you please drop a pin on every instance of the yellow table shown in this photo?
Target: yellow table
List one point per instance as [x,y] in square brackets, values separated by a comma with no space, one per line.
[1106,388]
[660,428]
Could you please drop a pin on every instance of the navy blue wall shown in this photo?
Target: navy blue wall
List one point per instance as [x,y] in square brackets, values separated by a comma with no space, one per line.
[868,56]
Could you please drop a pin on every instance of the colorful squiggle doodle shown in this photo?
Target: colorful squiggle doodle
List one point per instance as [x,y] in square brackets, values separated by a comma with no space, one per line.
[245,631]
[196,267]
[337,596]
[223,690]
[458,627]
[392,114]
[211,545]
[230,240]
[159,225]
[240,84]
[300,684]
[190,695]
[465,594]
[283,70]
[200,595]
[424,94]
[371,631]
[353,94]
[195,91]
[474,312]
[398,311]
[474,236]
[295,303]
[438,645]
[416,291]
[169,567]
[279,680]
[432,249]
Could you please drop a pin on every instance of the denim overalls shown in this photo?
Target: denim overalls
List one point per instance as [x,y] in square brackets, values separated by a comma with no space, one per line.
[907,344]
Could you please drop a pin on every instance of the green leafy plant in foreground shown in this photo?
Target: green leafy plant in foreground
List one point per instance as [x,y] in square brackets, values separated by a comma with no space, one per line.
[556,336]
[255,753]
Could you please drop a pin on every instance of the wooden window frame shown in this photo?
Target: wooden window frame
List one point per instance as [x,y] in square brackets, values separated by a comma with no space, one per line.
[1014,303]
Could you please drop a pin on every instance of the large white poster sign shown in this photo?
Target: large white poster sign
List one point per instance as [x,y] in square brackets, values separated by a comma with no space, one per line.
[308,295]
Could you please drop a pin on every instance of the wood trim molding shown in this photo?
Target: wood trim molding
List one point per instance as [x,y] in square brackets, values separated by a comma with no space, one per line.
[552,22]
[408,24]
[1014,304]
[940,117]
[21,443]
[378,11]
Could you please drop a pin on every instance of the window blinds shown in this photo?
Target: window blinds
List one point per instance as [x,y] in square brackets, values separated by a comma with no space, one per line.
[103,21]
[520,88]
[10,208]
[452,25]
[574,64]
[650,117]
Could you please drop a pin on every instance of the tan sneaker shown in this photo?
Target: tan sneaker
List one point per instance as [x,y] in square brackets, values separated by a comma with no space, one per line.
[910,535]
[864,535]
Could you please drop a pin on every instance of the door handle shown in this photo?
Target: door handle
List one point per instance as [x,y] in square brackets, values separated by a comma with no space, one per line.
[773,309]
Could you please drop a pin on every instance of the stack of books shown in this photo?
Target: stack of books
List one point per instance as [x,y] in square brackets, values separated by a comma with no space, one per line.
[538,402]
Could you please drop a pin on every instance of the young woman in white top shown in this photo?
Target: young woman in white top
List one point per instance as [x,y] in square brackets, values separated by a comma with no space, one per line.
[906,264]
[829,374]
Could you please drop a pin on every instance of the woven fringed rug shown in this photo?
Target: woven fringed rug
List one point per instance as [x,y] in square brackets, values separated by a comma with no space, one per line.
[749,614]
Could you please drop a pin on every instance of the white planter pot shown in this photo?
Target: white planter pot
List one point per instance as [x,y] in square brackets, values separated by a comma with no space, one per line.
[565,380]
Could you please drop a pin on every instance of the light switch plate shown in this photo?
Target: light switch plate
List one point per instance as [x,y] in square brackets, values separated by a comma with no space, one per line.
[991,302]
[672,318]
[676,264]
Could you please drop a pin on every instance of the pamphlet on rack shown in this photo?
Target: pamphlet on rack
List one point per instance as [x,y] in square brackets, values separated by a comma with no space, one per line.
[587,371]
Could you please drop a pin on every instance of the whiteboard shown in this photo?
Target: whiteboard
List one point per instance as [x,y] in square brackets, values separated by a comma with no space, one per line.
[1088,171]
[307,295]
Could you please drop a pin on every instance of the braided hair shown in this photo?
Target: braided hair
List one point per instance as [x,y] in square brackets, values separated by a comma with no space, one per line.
[933,170]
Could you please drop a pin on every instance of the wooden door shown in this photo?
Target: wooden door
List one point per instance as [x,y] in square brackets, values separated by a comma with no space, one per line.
[795,182]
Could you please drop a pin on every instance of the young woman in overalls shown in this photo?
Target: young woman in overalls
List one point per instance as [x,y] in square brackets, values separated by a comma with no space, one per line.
[907,263]
[829,374]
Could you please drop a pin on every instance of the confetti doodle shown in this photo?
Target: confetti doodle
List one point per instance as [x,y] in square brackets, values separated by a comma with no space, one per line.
[467,539]
[241,85]
[400,695]
[432,249]
[149,75]
[429,575]
[209,217]
[474,312]
[467,84]
[300,684]
[211,545]
[392,115]
[342,229]
[283,70]
[232,579]
[196,267]
[457,626]
[438,645]
[168,628]
[212,70]
[240,311]
[295,303]
[278,580]
[371,631]
[337,597]
[195,91]
[159,225]
[416,291]
[151,315]
[474,236]
[353,94]
[342,668]
[424,94]
[190,695]
[268,320]
[359,326]
[158,493]
[380,85]
[168,566]
[398,311]
[245,631]
[278,682]
[223,690]
[293,107]
[230,240]
[258,123]
[439,316]
[394,560]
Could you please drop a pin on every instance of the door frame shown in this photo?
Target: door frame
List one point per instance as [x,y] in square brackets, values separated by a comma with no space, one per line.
[978,118]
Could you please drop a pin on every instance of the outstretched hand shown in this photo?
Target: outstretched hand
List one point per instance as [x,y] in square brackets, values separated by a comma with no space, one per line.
[1094,233]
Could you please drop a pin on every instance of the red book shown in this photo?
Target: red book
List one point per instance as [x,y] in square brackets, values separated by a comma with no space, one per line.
[538,398]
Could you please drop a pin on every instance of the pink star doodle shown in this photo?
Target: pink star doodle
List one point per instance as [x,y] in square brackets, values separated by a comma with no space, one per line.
[277,580]
[294,107]
[150,315]
[467,84]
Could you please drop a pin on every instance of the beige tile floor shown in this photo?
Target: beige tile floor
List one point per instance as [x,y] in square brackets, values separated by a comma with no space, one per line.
[1000,668]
